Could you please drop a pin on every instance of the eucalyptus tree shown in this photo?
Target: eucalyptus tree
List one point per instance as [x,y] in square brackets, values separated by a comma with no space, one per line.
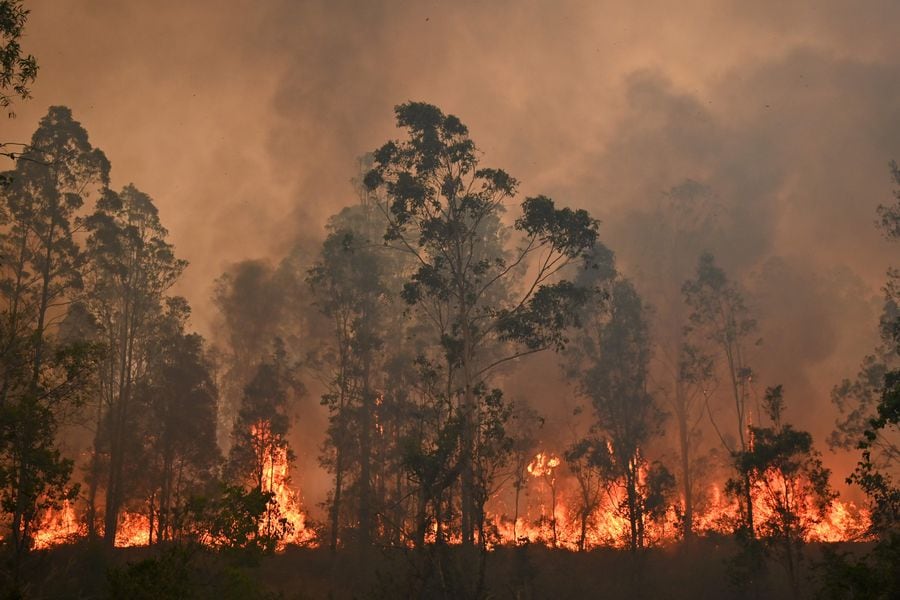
[488,303]
[609,361]
[260,430]
[260,454]
[586,459]
[349,283]
[40,274]
[663,241]
[251,299]
[131,266]
[720,317]
[178,424]
[870,423]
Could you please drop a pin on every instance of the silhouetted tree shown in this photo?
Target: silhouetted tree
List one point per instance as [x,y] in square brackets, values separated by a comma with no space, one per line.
[444,210]
[350,291]
[787,477]
[131,267]
[720,316]
[664,241]
[17,70]
[178,428]
[40,273]
[609,361]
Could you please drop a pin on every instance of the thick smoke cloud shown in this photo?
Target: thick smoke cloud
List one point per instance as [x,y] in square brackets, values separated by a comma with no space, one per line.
[244,119]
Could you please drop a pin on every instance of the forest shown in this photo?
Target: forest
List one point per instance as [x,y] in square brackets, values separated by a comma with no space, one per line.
[453,385]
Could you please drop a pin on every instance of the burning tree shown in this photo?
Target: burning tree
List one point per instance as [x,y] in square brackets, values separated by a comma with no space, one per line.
[788,485]
[260,456]
[610,365]
[543,467]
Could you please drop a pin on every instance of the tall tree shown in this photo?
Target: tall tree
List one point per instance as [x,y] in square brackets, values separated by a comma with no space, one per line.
[251,298]
[132,265]
[610,360]
[870,406]
[178,428]
[259,437]
[39,275]
[720,317]
[445,210]
[348,282]
[663,241]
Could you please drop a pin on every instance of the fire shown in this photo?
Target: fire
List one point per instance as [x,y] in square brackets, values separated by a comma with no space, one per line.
[133,530]
[276,479]
[607,526]
[63,525]
[551,517]
[58,527]
[543,465]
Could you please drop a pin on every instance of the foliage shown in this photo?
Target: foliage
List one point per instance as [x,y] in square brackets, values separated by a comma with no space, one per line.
[445,210]
[17,70]
[178,425]
[787,477]
[232,516]
[43,377]
[131,266]
[609,361]
[182,572]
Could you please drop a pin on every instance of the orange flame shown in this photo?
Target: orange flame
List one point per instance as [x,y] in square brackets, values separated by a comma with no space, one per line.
[58,526]
[276,478]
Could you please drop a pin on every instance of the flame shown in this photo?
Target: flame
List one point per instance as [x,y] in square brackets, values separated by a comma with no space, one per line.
[133,530]
[276,479]
[62,525]
[607,525]
[549,515]
[543,465]
[58,526]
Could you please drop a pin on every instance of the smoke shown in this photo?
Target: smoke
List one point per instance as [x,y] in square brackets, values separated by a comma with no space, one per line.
[243,120]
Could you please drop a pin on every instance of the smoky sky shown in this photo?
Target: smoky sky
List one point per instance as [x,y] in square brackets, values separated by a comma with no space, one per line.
[244,119]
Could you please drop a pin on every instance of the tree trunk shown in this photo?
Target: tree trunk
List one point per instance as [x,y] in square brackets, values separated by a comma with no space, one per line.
[336,500]
[687,484]
[365,466]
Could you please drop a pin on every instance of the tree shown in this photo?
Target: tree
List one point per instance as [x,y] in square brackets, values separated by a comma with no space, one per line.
[663,241]
[263,421]
[260,455]
[178,428]
[445,211]
[41,274]
[523,431]
[719,316]
[586,459]
[17,72]
[251,298]
[132,265]
[870,406]
[351,292]
[870,409]
[787,478]
[610,361]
